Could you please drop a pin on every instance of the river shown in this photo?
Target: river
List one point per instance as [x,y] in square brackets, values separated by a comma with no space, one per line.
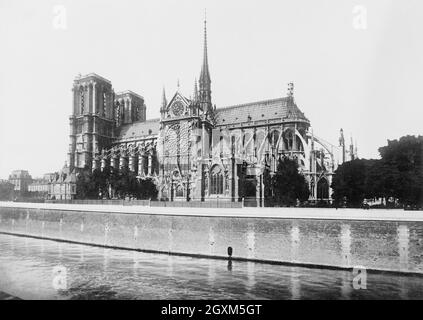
[43,269]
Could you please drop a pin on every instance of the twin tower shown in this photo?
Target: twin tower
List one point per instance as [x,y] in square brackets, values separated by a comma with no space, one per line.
[99,114]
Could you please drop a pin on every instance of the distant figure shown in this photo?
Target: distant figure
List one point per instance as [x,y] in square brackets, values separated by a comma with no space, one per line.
[365,205]
[230,252]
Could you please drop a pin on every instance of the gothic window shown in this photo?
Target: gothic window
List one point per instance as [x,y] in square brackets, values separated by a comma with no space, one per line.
[137,113]
[179,192]
[82,96]
[288,140]
[322,189]
[117,114]
[104,104]
[259,140]
[248,143]
[216,180]
[274,137]
[164,193]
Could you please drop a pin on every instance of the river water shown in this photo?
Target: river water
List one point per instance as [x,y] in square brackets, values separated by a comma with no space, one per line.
[43,269]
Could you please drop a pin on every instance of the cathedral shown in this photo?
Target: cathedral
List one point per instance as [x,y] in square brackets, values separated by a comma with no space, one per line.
[195,151]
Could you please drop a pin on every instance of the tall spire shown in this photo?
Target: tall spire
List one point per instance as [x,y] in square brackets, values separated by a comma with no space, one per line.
[204,81]
[342,144]
[205,75]
[164,100]
[195,90]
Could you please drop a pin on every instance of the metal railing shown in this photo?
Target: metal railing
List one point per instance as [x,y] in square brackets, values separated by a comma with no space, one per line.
[193,203]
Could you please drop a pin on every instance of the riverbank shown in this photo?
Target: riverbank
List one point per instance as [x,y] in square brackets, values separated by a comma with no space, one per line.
[271,213]
[322,238]
[100,273]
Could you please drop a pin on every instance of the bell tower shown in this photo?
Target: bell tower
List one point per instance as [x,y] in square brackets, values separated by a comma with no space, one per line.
[92,120]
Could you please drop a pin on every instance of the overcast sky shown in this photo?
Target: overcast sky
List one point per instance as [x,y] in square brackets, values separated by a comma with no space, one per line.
[352,70]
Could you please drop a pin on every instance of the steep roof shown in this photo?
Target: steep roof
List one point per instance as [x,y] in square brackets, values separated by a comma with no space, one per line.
[138,129]
[280,108]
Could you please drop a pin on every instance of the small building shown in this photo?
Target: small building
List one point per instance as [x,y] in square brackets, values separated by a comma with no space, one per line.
[62,185]
[21,179]
[40,186]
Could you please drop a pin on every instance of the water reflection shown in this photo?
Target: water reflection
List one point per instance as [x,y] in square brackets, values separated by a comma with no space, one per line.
[295,285]
[229,264]
[211,241]
[81,253]
[169,266]
[346,286]
[251,240]
[295,241]
[211,272]
[101,273]
[251,280]
[60,250]
[403,290]
[346,244]
[403,245]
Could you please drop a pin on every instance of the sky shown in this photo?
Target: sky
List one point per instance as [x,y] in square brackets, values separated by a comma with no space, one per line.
[356,65]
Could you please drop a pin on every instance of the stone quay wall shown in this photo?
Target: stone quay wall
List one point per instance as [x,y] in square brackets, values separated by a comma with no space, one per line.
[376,245]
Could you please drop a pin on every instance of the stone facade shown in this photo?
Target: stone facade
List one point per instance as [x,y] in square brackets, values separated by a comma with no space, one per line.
[196,151]
[21,179]
[62,185]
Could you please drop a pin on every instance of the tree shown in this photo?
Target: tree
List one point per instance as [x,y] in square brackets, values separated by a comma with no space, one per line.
[147,189]
[125,183]
[398,174]
[86,185]
[6,190]
[402,161]
[288,184]
[350,181]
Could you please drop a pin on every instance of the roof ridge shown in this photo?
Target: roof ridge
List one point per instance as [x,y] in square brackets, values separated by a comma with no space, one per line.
[252,103]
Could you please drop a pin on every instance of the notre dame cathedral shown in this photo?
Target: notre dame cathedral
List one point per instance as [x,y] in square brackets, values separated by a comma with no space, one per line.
[195,151]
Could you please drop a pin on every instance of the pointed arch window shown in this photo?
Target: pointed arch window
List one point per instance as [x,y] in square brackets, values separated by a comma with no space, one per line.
[179,191]
[117,114]
[104,104]
[82,98]
[216,180]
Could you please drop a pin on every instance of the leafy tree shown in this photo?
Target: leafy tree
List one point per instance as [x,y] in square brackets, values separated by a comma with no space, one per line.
[124,183]
[288,184]
[349,182]
[403,163]
[86,185]
[398,174]
[6,190]
[147,189]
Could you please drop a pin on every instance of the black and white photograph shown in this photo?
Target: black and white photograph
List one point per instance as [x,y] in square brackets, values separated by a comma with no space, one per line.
[210,155]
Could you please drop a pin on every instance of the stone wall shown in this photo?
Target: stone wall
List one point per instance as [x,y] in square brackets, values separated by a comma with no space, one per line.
[394,246]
